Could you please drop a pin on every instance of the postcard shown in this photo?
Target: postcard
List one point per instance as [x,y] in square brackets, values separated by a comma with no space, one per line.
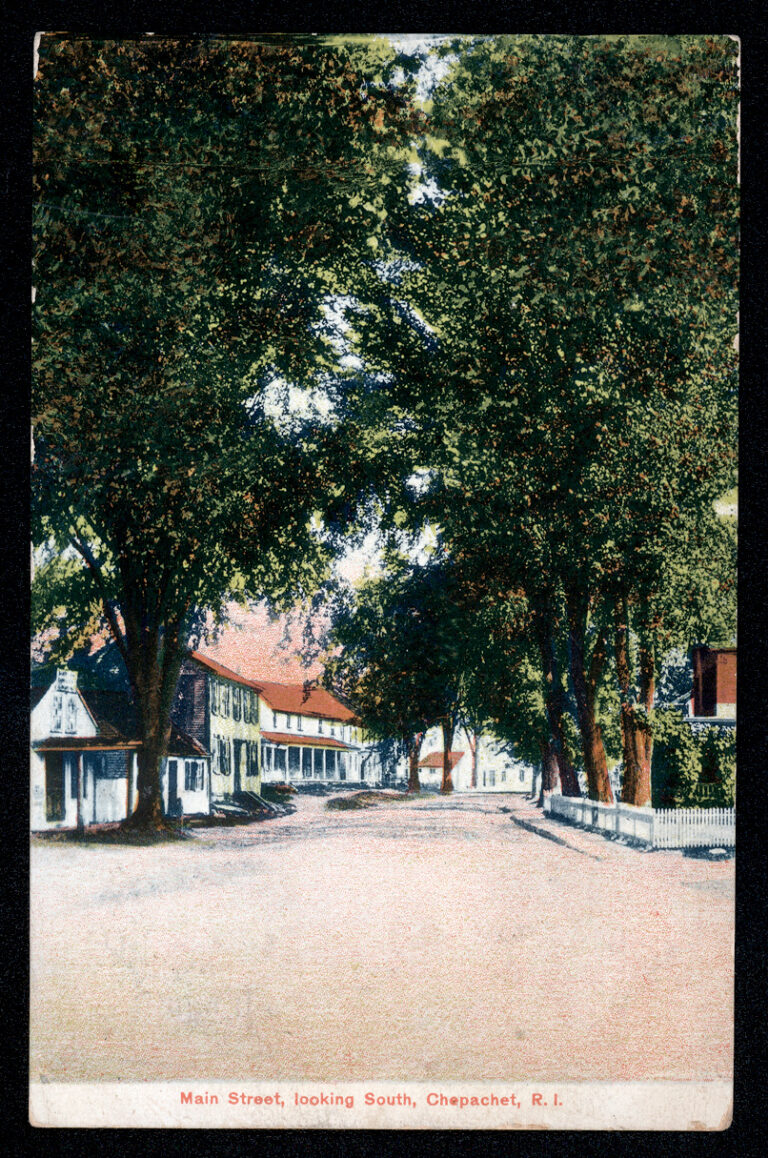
[384,510]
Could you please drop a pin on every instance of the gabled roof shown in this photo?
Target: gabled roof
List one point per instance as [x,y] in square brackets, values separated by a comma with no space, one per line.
[219,670]
[117,721]
[305,700]
[304,741]
[435,760]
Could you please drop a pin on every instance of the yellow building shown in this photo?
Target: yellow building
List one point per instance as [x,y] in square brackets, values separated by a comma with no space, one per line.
[220,709]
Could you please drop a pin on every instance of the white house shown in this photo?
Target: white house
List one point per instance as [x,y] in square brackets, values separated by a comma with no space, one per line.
[308,736]
[84,759]
[478,764]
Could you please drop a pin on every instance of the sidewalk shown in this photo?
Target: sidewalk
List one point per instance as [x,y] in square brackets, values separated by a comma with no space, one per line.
[526,814]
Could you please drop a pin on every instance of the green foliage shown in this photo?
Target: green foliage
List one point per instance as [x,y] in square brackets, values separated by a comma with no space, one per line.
[396,651]
[687,761]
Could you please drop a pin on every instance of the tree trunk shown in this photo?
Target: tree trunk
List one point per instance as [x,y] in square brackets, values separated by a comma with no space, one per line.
[628,729]
[154,674]
[414,784]
[584,688]
[448,728]
[550,772]
[473,744]
[644,733]
[554,700]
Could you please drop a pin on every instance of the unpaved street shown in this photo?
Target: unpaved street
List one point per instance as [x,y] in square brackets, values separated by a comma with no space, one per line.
[433,939]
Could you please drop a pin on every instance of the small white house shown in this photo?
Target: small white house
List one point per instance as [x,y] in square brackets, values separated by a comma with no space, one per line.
[478,764]
[84,759]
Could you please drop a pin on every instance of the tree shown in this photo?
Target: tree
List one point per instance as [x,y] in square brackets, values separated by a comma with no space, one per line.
[577,270]
[196,204]
[396,657]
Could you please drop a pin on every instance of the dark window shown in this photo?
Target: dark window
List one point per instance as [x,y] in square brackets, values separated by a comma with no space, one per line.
[57,721]
[294,761]
[214,697]
[72,776]
[289,721]
[299,723]
[319,727]
[274,719]
[236,703]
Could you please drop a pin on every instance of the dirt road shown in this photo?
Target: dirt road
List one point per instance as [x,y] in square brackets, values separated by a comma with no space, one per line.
[429,940]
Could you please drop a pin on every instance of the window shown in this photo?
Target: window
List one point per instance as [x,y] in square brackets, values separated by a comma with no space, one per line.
[214,697]
[274,719]
[236,703]
[342,765]
[224,701]
[503,774]
[72,776]
[57,721]
[194,775]
[253,759]
[71,714]
[330,764]
[294,761]
[223,757]
[306,763]
[319,727]
[280,760]
[318,762]
[299,723]
[289,721]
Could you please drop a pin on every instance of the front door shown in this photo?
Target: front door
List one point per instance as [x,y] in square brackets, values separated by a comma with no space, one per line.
[54,786]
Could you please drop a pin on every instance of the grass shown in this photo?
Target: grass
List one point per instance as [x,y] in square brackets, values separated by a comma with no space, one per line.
[366,799]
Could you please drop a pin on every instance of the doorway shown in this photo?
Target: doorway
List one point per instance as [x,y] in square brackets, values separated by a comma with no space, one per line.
[55,806]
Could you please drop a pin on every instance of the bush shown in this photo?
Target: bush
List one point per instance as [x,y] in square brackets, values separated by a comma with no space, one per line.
[693,767]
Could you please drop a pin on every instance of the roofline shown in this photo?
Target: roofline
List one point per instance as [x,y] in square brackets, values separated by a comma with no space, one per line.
[220,669]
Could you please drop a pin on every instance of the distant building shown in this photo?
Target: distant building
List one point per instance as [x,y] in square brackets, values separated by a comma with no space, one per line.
[84,761]
[491,768]
[714,683]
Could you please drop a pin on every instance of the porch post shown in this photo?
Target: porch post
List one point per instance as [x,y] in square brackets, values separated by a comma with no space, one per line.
[80,823]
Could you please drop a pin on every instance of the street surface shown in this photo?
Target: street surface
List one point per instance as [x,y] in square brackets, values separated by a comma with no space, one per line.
[432,939]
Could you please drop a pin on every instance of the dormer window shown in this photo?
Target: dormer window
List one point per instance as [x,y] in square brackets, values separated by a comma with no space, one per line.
[57,715]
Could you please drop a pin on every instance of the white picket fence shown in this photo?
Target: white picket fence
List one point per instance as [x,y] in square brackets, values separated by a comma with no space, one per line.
[656,827]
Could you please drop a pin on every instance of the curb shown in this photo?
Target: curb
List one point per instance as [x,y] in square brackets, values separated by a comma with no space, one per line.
[539,830]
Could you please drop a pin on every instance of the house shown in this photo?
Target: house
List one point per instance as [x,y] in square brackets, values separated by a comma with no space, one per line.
[219,709]
[308,736]
[478,764]
[84,762]
[714,683]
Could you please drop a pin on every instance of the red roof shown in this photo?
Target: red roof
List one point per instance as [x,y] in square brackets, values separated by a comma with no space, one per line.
[225,672]
[304,699]
[304,741]
[435,760]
